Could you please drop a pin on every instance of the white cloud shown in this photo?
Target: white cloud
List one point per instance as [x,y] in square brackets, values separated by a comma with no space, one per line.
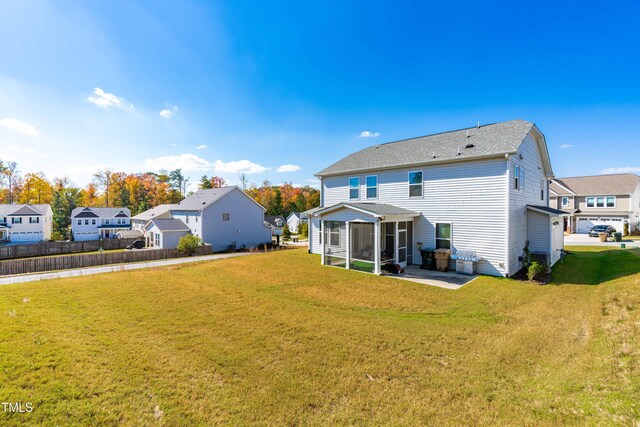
[186,162]
[368,134]
[314,183]
[201,147]
[105,100]
[566,146]
[18,126]
[623,169]
[240,166]
[167,113]
[288,168]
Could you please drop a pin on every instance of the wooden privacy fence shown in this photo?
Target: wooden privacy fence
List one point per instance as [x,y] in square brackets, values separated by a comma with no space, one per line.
[61,248]
[37,265]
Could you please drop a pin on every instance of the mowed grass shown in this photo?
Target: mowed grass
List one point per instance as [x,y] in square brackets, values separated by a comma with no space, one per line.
[278,339]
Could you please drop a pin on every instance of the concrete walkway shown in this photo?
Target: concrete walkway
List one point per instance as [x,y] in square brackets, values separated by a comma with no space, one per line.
[34,277]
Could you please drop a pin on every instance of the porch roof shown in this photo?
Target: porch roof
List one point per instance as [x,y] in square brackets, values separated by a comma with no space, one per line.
[377,210]
[547,210]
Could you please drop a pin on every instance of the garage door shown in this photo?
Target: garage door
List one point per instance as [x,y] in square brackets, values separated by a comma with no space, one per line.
[584,224]
[26,236]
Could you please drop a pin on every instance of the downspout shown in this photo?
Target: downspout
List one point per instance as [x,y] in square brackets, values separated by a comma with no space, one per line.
[508,217]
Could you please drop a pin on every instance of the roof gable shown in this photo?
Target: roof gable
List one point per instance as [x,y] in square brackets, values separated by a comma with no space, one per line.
[25,210]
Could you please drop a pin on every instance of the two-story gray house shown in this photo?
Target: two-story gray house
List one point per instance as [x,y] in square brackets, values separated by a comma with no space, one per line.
[99,223]
[612,200]
[222,217]
[483,189]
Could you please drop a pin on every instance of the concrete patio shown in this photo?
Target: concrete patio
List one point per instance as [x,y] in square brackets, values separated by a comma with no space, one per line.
[448,280]
[585,240]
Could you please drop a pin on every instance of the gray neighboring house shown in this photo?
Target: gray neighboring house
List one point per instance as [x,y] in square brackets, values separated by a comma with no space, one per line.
[294,219]
[99,223]
[482,189]
[598,200]
[222,217]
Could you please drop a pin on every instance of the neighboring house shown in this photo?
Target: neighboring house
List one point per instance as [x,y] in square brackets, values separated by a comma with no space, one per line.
[99,223]
[598,200]
[294,219]
[482,189]
[139,221]
[275,223]
[222,217]
[25,223]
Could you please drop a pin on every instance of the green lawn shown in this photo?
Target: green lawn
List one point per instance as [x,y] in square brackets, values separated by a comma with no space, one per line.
[278,339]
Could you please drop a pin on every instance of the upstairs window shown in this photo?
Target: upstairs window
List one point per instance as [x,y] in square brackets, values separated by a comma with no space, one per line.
[225,216]
[93,222]
[516,177]
[565,202]
[600,202]
[16,220]
[611,201]
[106,221]
[415,184]
[79,222]
[354,188]
[186,218]
[34,220]
[372,187]
[443,235]
[86,222]
[591,202]
[542,189]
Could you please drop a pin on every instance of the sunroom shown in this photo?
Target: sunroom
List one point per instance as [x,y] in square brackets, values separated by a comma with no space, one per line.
[366,236]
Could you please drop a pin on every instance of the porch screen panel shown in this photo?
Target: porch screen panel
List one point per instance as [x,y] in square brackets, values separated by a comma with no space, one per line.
[335,246]
[362,241]
[410,242]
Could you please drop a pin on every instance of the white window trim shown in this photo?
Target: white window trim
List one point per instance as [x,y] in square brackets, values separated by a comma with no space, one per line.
[595,202]
[354,188]
[329,232]
[421,184]
[435,234]
[562,201]
[615,202]
[587,202]
[366,191]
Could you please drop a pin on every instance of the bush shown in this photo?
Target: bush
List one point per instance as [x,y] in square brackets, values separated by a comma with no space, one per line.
[286,233]
[626,229]
[303,229]
[188,244]
[535,268]
[56,236]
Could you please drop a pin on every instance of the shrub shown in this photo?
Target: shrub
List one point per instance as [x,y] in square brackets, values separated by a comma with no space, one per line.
[535,268]
[56,236]
[286,233]
[303,229]
[188,244]
[626,229]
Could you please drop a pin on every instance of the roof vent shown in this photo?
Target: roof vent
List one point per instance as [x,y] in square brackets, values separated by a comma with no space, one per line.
[467,134]
[478,124]
[469,145]
[459,153]
[434,154]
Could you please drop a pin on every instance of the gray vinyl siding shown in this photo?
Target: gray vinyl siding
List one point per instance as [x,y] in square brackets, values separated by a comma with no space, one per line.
[470,195]
[538,226]
[531,163]
[557,235]
[244,228]
[314,235]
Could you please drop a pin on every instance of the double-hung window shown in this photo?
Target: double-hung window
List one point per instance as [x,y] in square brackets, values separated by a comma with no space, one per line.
[34,220]
[415,184]
[600,202]
[565,202]
[333,232]
[611,201]
[93,222]
[516,177]
[16,220]
[79,222]
[591,202]
[372,187]
[86,222]
[443,235]
[354,188]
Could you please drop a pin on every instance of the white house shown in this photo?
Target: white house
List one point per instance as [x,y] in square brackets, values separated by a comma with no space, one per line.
[25,223]
[99,223]
[294,219]
[223,217]
[482,189]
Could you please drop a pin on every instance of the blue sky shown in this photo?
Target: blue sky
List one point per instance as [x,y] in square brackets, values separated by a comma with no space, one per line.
[282,89]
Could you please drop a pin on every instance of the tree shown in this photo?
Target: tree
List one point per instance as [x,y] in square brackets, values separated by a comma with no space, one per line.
[10,172]
[103,180]
[177,180]
[244,181]
[89,196]
[303,229]
[286,233]
[65,199]
[217,182]
[36,189]
[205,184]
[188,244]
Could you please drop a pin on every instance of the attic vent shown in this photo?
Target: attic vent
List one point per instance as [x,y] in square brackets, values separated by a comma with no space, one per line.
[470,145]
[204,203]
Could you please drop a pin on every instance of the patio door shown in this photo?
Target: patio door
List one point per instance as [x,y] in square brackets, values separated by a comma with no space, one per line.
[402,244]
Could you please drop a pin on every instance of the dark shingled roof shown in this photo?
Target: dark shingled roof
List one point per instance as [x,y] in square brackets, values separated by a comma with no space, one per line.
[488,140]
[101,212]
[548,210]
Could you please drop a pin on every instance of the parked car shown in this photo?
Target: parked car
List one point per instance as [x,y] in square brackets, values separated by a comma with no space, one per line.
[138,244]
[594,231]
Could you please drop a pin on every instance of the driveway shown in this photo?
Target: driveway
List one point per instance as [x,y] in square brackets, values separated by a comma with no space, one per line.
[584,240]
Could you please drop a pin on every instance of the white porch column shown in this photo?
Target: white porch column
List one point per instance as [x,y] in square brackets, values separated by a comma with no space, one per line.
[322,239]
[348,244]
[396,243]
[376,246]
